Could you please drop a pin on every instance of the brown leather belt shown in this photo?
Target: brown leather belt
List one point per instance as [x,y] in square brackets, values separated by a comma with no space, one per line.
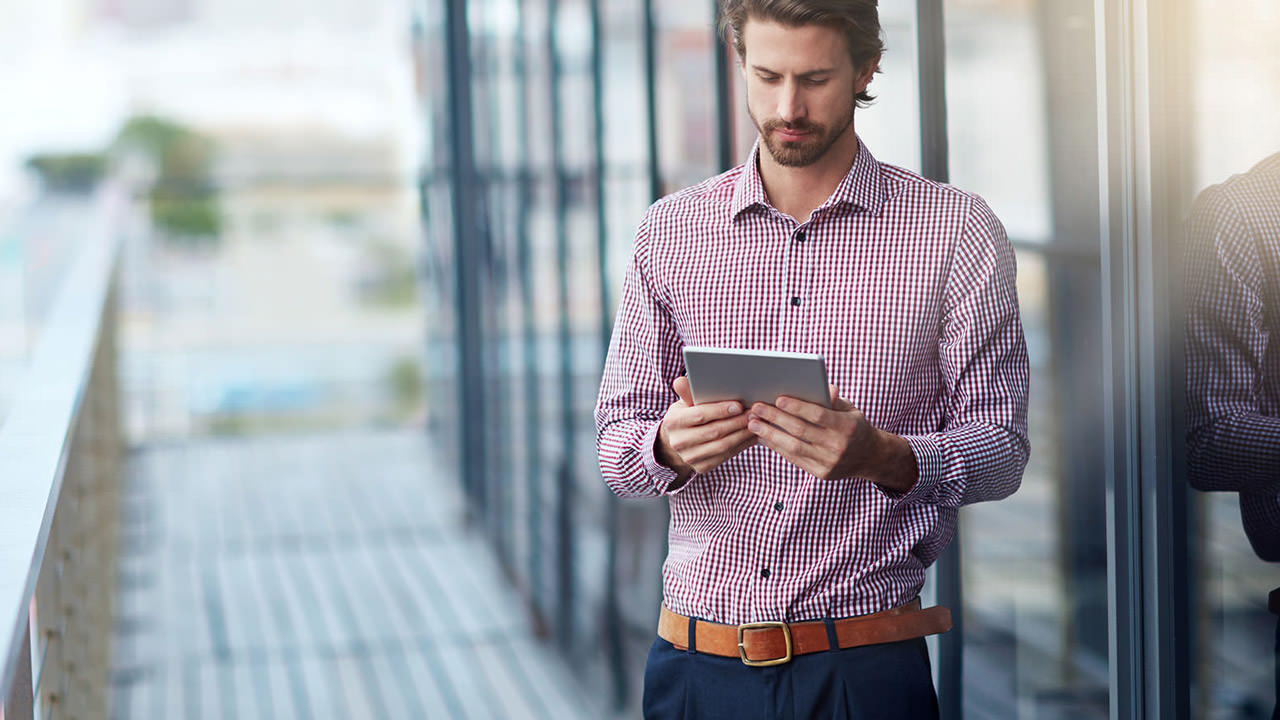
[774,643]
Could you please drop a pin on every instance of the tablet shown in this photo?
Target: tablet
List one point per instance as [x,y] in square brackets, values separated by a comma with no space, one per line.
[751,376]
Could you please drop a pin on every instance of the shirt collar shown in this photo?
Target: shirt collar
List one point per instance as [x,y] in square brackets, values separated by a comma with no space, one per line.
[862,188]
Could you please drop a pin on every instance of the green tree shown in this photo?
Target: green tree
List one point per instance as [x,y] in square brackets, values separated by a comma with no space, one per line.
[69,172]
[405,385]
[184,200]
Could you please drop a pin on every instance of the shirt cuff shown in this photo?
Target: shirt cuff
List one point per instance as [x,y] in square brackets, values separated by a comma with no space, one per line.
[931,467]
[663,477]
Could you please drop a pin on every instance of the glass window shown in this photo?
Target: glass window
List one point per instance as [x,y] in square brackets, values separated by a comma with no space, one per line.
[891,125]
[430,60]
[687,133]
[1034,565]
[626,134]
[1233,132]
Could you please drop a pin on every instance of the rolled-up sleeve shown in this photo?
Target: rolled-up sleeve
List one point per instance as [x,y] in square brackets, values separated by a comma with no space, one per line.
[1232,443]
[980,452]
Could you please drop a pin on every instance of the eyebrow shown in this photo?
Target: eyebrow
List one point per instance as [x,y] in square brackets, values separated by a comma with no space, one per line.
[810,74]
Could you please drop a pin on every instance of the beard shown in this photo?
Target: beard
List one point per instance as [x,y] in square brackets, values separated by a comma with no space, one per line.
[808,151]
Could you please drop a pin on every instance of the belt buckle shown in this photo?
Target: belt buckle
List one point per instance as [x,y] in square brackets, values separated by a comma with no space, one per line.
[742,650]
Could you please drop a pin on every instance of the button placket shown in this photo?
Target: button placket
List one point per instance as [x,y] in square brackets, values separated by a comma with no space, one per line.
[794,284]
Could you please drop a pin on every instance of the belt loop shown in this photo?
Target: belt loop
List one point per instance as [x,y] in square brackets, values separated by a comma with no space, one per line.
[693,635]
[833,641]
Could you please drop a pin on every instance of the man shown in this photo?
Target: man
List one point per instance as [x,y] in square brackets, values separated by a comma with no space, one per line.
[791,514]
[1233,359]
[1233,356]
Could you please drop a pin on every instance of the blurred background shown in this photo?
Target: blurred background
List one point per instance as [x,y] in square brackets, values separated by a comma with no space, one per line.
[345,274]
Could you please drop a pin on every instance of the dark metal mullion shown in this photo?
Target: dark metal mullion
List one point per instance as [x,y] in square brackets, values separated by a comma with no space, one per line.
[1121,419]
[597,131]
[1164,488]
[498,436]
[724,101]
[931,58]
[564,471]
[935,164]
[533,404]
[465,207]
[651,98]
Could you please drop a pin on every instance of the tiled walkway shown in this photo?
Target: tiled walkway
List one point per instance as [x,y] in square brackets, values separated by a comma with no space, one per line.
[318,577]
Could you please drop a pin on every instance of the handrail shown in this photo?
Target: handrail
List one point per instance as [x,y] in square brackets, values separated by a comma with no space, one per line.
[37,446]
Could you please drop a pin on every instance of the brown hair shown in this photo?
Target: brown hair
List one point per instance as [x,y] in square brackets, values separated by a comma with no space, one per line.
[857,20]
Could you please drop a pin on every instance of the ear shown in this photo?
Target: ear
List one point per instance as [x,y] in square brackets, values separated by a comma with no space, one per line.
[865,74]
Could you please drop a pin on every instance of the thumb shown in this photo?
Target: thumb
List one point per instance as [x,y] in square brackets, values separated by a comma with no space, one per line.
[681,386]
[837,402]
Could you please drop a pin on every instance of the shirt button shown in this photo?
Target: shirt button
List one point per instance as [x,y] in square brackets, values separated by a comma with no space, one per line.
[778,506]
[765,573]
[795,301]
[800,236]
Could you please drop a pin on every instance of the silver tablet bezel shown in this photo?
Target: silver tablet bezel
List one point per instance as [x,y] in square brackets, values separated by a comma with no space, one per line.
[751,376]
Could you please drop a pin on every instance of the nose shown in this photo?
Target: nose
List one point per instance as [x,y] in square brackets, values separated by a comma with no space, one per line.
[790,103]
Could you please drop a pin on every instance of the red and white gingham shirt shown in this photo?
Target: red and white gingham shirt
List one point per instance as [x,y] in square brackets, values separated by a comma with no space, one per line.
[906,287]
[1233,347]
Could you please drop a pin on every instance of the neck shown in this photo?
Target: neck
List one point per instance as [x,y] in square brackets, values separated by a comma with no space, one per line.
[798,191]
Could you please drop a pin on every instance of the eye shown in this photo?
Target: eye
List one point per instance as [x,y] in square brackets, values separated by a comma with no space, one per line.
[767,78]
[815,82]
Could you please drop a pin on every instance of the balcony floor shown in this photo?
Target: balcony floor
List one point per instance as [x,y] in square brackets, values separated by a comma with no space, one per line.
[324,576]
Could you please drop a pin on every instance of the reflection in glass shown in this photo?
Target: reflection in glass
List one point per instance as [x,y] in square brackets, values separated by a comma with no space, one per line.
[1233,362]
[1233,418]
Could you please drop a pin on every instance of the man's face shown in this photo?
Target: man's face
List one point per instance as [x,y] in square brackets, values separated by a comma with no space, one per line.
[801,88]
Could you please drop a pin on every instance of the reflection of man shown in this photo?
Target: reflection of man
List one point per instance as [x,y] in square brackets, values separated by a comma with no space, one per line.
[1233,353]
[792,512]
[1233,348]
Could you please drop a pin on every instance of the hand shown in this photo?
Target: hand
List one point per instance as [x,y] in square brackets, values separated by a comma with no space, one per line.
[834,444]
[700,437]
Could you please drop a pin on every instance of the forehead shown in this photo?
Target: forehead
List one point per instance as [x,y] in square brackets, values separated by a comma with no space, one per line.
[793,48]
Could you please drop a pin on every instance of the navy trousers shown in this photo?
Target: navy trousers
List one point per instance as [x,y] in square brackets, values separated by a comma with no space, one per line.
[890,681]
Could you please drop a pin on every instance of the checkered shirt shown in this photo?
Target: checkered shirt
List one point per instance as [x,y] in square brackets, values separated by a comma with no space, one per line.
[1233,347]
[906,287]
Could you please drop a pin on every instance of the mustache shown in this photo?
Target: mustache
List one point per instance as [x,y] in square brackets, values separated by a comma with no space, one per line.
[797,126]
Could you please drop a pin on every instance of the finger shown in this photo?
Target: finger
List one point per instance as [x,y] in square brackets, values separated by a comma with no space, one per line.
[781,440]
[834,396]
[681,386]
[727,444]
[689,417]
[787,446]
[692,436]
[732,452]
[795,426]
[812,412]
[838,403]
[719,428]
[802,455]
[709,455]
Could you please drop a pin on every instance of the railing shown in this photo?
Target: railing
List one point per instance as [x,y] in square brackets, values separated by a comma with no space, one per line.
[61,459]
